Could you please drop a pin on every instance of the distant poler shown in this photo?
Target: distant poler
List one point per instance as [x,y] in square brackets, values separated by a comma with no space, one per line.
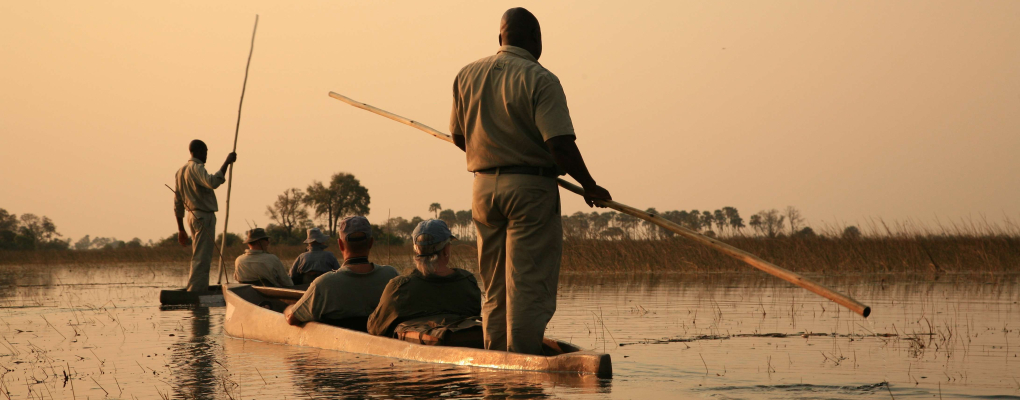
[195,194]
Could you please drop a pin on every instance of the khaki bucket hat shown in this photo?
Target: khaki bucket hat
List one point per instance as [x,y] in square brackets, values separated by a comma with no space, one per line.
[316,235]
[255,235]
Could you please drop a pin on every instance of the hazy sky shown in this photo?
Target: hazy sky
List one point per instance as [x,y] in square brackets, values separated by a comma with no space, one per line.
[848,110]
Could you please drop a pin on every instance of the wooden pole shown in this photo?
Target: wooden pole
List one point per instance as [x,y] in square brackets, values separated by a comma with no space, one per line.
[230,173]
[750,259]
[389,218]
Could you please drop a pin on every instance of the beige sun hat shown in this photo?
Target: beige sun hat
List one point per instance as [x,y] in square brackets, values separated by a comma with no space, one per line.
[316,235]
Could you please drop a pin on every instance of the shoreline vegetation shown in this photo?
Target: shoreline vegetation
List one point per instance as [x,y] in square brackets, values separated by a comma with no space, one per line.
[604,242]
[921,255]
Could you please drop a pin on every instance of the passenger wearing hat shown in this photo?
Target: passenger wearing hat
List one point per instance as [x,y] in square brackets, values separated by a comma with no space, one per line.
[432,289]
[347,296]
[257,267]
[314,262]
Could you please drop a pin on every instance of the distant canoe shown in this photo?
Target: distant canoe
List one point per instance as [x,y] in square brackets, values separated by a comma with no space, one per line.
[249,318]
[182,297]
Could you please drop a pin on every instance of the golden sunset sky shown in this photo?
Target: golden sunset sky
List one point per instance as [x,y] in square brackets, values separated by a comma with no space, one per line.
[849,110]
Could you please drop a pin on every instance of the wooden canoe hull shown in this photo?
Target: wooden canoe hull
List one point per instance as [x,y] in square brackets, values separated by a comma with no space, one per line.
[182,297]
[246,320]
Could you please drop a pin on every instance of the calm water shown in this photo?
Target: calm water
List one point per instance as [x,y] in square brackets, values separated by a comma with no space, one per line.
[675,336]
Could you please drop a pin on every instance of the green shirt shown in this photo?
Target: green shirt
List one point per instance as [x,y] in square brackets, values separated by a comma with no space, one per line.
[414,296]
[343,294]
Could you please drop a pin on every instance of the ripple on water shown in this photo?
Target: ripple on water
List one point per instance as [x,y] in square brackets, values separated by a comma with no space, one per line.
[683,337]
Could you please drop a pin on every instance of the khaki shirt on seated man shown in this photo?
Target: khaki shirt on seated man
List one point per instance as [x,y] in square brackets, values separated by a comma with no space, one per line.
[432,289]
[347,296]
[257,267]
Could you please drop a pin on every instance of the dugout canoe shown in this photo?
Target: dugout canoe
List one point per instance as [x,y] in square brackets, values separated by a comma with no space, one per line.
[247,319]
[182,297]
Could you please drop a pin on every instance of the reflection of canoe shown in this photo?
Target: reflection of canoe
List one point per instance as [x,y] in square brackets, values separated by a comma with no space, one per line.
[181,297]
[248,318]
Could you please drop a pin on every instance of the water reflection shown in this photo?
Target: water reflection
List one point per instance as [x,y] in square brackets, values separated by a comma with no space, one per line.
[372,377]
[193,356]
[952,337]
[277,371]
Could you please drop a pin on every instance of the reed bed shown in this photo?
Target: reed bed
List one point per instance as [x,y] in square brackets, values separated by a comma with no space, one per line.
[869,255]
[999,254]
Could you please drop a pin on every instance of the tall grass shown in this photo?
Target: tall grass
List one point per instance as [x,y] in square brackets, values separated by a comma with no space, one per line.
[823,255]
[891,253]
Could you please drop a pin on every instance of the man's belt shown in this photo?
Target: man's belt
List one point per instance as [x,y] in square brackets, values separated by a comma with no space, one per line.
[522,170]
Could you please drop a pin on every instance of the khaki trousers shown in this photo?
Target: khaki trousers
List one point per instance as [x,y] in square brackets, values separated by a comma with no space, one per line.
[203,232]
[520,241]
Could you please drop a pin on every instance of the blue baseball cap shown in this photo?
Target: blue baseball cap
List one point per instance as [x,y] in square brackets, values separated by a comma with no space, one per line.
[431,236]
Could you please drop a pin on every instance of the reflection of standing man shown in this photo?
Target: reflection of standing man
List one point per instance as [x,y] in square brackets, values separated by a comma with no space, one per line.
[193,356]
[195,194]
[510,116]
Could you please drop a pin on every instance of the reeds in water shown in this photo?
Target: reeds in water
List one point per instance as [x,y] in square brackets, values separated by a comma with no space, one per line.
[902,248]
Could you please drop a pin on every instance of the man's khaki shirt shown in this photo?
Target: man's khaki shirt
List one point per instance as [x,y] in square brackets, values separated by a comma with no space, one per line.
[195,188]
[262,267]
[507,106]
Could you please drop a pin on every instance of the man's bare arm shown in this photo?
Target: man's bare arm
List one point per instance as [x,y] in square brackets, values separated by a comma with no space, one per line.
[230,160]
[568,157]
[182,235]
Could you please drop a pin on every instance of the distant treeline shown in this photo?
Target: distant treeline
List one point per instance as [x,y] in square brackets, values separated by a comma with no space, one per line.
[29,232]
[324,205]
[976,256]
[598,241]
[726,221]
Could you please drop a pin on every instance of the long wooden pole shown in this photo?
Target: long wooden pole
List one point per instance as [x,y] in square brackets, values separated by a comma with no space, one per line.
[750,259]
[230,173]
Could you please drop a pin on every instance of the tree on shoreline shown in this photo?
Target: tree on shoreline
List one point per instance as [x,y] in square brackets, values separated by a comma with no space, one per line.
[29,232]
[289,211]
[720,220]
[733,218]
[768,222]
[342,198]
[793,218]
[449,217]
[466,222]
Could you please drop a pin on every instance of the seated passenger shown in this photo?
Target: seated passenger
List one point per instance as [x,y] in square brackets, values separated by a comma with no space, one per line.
[347,296]
[257,267]
[432,289]
[314,262]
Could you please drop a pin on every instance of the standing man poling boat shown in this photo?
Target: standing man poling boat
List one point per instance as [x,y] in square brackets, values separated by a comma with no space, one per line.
[195,194]
[510,116]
